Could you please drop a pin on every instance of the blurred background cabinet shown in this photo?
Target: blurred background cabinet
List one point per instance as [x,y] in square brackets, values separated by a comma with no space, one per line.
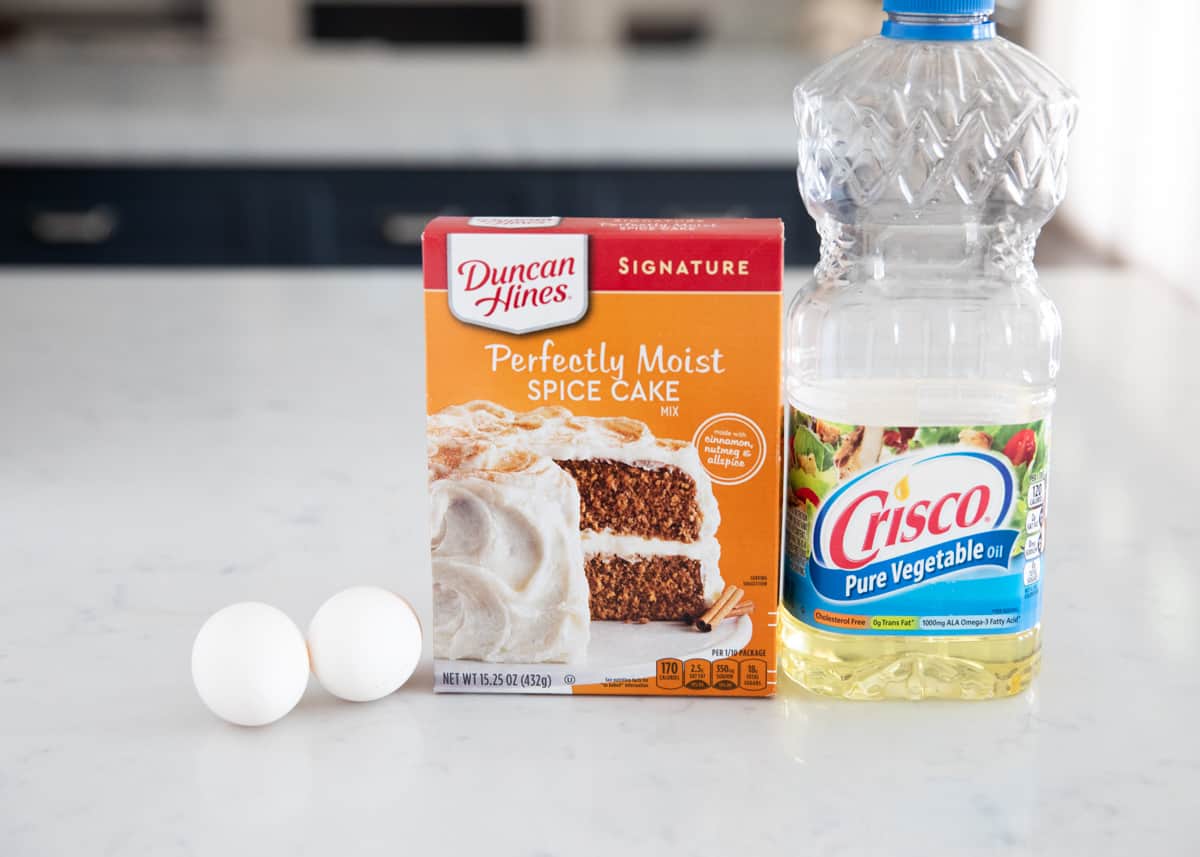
[340,216]
[326,132]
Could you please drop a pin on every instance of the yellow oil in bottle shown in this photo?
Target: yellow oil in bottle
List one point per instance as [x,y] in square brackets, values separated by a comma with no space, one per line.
[854,667]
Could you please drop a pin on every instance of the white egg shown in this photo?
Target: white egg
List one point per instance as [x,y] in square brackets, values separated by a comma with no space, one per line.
[250,664]
[365,642]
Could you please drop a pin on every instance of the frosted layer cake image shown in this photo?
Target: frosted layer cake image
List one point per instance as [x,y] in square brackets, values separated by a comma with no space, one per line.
[544,520]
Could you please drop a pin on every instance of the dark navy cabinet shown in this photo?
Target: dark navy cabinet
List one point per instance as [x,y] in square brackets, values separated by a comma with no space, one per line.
[315,216]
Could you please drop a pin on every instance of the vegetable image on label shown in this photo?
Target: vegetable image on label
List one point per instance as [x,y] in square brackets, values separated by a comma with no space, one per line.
[1022,447]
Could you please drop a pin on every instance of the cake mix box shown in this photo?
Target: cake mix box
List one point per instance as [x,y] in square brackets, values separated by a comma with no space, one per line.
[604,454]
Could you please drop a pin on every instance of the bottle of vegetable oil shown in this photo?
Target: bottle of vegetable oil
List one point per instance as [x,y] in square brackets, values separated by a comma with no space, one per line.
[921,362]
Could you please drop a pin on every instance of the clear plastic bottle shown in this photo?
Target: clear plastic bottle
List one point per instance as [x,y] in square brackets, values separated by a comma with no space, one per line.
[921,361]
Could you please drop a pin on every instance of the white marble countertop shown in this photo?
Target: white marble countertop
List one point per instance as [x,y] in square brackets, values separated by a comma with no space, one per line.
[175,441]
[486,107]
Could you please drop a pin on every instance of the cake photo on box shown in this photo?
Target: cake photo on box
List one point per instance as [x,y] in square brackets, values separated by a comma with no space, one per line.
[544,521]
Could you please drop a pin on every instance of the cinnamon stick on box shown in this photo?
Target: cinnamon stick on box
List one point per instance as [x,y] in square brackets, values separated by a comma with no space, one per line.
[721,608]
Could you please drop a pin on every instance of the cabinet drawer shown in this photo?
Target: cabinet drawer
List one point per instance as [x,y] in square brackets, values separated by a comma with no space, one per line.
[375,217]
[122,217]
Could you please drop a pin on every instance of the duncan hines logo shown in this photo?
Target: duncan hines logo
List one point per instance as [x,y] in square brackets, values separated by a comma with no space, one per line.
[912,519]
[517,283]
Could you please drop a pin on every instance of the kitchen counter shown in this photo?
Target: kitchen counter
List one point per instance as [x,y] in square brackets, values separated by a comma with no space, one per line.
[173,442]
[499,107]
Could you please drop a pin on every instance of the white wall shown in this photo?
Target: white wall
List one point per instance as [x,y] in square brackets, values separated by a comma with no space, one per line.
[1135,157]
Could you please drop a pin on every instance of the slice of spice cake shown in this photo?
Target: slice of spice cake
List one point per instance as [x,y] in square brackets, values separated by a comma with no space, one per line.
[647,514]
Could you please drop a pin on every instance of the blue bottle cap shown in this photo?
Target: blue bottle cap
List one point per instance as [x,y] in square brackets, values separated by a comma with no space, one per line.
[940,26]
[940,7]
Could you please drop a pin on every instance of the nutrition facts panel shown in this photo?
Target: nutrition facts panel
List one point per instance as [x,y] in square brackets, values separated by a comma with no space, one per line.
[702,674]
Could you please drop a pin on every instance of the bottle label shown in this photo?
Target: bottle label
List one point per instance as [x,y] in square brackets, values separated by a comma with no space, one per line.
[921,531]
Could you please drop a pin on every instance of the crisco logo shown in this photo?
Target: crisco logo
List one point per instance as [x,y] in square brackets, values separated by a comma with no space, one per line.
[912,502]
